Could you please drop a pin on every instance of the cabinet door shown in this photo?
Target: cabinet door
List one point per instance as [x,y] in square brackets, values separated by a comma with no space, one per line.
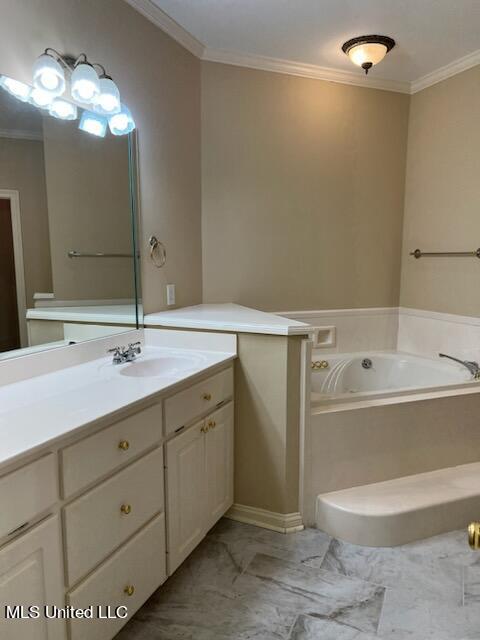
[219,463]
[186,495]
[31,574]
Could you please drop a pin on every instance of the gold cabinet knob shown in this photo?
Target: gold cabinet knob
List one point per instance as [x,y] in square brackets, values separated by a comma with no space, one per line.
[207,396]
[211,424]
[474,535]
[320,364]
[129,590]
[126,509]
[124,445]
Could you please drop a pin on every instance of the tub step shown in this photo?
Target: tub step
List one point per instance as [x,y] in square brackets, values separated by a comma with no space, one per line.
[386,514]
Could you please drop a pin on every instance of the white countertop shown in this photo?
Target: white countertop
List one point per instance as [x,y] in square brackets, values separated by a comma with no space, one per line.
[40,410]
[226,317]
[123,314]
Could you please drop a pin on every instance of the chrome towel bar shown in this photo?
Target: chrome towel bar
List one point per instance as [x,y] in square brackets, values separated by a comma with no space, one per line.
[445,254]
[80,254]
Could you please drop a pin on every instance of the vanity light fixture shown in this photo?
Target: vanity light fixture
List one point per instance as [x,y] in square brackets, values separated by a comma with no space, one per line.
[85,83]
[16,88]
[108,101]
[367,51]
[48,73]
[122,122]
[93,123]
[63,109]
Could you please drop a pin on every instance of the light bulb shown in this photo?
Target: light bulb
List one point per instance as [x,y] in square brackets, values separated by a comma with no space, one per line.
[108,102]
[85,85]
[48,75]
[63,109]
[40,98]
[16,88]
[93,123]
[121,123]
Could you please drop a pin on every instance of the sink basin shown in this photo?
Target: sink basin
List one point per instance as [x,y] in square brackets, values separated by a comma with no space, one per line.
[160,366]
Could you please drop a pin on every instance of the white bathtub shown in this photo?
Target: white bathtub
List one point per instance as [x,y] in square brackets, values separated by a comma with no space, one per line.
[391,373]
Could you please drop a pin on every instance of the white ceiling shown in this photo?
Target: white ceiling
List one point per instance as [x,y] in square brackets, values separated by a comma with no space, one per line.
[429,33]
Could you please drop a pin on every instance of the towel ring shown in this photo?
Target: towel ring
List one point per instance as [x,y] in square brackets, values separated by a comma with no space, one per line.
[154,245]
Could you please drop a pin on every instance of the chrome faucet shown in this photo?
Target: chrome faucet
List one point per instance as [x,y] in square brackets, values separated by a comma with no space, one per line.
[126,354]
[471,365]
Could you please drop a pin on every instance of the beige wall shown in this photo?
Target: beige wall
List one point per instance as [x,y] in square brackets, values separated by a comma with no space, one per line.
[442,196]
[160,81]
[22,169]
[303,184]
[89,210]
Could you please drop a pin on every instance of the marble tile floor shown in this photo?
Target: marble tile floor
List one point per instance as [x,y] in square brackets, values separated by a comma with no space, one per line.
[245,583]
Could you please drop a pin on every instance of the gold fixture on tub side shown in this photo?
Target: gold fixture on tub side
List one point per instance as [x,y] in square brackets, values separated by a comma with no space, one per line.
[474,535]
[320,364]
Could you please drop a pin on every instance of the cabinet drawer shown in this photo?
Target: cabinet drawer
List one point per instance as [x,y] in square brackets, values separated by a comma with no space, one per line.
[100,520]
[95,456]
[27,493]
[187,405]
[140,564]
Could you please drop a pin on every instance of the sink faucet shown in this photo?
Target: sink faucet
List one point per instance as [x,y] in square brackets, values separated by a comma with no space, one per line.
[126,354]
[471,365]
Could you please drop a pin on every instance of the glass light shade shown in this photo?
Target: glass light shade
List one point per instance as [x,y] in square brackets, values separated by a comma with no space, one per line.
[16,88]
[121,123]
[48,75]
[108,102]
[63,109]
[93,123]
[372,52]
[85,84]
[40,98]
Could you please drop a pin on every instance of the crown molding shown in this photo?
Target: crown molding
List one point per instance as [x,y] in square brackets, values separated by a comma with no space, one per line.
[289,67]
[153,13]
[20,134]
[449,70]
[263,63]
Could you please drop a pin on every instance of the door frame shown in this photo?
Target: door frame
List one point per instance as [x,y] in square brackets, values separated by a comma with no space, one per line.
[14,198]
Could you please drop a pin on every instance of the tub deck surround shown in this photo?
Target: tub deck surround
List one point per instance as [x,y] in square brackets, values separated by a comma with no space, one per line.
[70,388]
[227,317]
[386,514]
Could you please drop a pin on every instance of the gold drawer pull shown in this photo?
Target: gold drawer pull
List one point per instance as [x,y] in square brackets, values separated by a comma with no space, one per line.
[129,590]
[211,424]
[126,509]
[207,396]
[474,535]
[320,364]
[124,445]
[203,429]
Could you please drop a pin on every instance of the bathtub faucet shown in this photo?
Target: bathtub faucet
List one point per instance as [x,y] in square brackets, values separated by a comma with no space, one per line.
[471,365]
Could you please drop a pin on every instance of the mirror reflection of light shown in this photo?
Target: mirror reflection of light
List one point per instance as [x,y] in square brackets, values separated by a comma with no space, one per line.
[121,123]
[63,110]
[93,123]
[40,98]
[16,88]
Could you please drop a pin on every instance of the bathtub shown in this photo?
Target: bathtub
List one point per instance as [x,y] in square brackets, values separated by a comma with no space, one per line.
[357,376]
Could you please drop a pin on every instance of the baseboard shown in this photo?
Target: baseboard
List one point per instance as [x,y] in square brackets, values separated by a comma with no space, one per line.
[280,522]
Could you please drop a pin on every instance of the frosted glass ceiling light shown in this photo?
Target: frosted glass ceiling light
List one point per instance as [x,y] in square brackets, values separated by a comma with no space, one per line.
[63,110]
[367,51]
[93,123]
[108,102]
[16,88]
[40,98]
[121,123]
[85,84]
[49,75]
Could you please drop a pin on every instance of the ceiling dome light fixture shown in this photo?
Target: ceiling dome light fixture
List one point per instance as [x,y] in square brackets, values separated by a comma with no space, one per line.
[367,51]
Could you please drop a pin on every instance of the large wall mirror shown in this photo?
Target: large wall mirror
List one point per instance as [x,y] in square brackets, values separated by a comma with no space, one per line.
[68,254]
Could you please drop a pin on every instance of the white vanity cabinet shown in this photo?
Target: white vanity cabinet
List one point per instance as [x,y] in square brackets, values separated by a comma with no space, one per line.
[31,575]
[102,517]
[199,466]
